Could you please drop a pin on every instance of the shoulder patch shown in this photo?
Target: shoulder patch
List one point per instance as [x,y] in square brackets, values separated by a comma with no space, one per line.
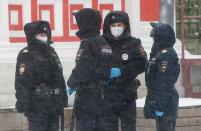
[79,54]
[22,69]
[141,50]
[164,66]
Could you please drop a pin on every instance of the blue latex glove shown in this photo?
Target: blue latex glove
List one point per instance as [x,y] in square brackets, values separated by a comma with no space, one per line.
[115,72]
[159,114]
[70,90]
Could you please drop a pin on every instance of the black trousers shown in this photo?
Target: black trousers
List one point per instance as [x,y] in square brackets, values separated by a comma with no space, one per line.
[43,122]
[92,124]
[126,114]
[166,123]
[91,114]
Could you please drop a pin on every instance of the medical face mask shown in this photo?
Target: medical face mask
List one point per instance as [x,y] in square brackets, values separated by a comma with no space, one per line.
[116,31]
[42,38]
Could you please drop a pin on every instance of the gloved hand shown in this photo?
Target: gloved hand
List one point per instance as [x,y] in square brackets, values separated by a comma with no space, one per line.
[159,114]
[70,90]
[115,72]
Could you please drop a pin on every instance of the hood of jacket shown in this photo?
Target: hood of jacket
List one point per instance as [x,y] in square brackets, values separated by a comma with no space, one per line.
[114,17]
[89,22]
[32,28]
[163,36]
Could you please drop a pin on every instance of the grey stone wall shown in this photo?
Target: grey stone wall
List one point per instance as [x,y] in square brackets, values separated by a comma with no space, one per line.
[189,119]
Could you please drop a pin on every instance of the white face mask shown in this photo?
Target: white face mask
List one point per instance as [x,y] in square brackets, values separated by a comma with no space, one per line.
[41,38]
[117,31]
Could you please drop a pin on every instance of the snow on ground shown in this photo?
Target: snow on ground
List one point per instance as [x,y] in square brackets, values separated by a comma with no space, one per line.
[183,102]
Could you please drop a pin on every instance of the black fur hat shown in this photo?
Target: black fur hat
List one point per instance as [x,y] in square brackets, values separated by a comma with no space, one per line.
[88,20]
[33,28]
[42,28]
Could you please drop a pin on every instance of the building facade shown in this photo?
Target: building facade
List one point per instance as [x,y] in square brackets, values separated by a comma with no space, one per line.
[15,13]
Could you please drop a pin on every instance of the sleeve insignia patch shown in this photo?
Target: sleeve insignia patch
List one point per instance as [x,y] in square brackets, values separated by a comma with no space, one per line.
[164,66]
[22,69]
[79,54]
[141,51]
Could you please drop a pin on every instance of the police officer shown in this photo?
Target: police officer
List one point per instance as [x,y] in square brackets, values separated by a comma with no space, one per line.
[89,74]
[127,61]
[161,75]
[39,82]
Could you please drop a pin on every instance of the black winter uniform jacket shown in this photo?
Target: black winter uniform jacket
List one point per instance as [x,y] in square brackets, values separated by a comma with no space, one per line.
[85,76]
[161,73]
[39,81]
[127,54]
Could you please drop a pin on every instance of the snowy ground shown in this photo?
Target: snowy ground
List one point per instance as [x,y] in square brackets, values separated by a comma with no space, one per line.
[183,102]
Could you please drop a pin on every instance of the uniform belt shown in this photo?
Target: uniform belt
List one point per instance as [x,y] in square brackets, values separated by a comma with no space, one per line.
[47,92]
[53,91]
[122,84]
